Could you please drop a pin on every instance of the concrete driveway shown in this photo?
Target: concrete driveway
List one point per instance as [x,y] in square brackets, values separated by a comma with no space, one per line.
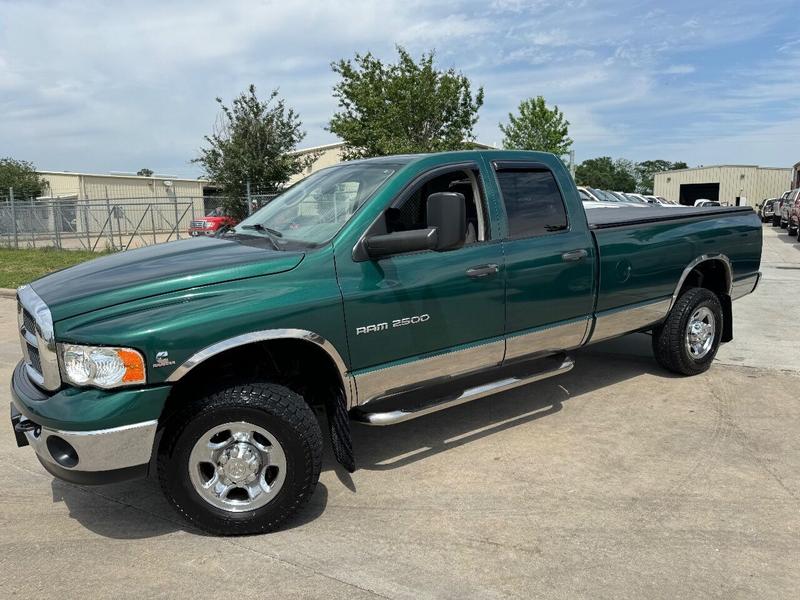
[616,480]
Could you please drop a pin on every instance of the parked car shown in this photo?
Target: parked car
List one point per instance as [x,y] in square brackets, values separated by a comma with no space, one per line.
[658,200]
[777,207]
[792,208]
[437,279]
[766,209]
[705,202]
[211,223]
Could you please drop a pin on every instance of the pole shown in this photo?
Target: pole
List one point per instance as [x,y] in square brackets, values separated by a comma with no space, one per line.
[572,163]
[110,221]
[86,225]
[249,202]
[177,225]
[152,223]
[14,217]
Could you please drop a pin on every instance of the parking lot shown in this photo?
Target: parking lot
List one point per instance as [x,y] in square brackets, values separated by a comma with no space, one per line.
[617,480]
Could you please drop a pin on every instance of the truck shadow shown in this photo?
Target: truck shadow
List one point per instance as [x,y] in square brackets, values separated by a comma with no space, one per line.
[137,509]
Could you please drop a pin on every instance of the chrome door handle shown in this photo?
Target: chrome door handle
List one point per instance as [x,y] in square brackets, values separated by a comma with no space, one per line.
[574,255]
[482,271]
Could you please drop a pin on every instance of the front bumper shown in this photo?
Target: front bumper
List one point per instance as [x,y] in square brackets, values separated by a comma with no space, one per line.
[72,452]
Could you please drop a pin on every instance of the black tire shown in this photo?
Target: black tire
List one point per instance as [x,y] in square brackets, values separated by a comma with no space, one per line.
[783,225]
[275,408]
[776,221]
[669,338]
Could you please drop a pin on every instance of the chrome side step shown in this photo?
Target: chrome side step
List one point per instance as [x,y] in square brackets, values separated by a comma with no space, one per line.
[501,385]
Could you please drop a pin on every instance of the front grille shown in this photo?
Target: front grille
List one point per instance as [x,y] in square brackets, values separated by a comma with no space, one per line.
[34,360]
[36,337]
[198,224]
[28,322]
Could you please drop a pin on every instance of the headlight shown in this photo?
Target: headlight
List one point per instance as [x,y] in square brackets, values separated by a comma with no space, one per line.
[102,366]
[209,225]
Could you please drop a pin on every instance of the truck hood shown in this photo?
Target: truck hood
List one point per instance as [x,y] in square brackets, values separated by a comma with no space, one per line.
[158,269]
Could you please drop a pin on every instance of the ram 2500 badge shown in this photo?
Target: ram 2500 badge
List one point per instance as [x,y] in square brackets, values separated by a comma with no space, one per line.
[379,290]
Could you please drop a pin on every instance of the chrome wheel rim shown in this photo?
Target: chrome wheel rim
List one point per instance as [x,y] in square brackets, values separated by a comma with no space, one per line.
[700,333]
[237,466]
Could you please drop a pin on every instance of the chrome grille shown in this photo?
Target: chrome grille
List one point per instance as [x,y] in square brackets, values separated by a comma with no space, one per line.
[37,339]
[198,224]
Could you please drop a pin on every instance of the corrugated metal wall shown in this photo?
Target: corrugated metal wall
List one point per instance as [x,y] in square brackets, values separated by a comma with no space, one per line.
[754,183]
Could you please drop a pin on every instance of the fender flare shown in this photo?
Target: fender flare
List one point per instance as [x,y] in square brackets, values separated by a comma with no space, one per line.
[268,335]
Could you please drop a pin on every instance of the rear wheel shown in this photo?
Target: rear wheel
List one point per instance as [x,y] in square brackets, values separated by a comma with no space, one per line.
[776,221]
[241,460]
[688,340]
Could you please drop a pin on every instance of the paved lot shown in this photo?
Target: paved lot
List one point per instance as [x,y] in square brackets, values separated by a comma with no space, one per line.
[614,481]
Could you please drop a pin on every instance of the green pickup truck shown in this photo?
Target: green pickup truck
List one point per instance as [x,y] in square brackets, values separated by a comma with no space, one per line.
[374,291]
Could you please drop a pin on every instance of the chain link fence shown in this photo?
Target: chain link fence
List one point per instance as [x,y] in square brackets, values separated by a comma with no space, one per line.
[111,223]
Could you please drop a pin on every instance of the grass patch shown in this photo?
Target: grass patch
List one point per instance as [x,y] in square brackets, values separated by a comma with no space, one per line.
[18,267]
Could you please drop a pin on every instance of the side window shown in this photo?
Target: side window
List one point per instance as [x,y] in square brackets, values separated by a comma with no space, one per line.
[412,213]
[533,202]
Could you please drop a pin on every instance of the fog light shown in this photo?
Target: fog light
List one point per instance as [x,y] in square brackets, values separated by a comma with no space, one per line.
[62,451]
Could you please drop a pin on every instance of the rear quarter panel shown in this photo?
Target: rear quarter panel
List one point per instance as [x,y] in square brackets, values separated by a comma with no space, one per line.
[644,262]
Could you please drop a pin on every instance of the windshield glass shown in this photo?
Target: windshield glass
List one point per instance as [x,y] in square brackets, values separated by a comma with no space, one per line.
[312,211]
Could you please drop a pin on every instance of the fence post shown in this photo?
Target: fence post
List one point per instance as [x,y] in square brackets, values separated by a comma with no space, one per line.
[86,225]
[57,220]
[152,223]
[110,221]
[14,217]
[249,200]
[177,225]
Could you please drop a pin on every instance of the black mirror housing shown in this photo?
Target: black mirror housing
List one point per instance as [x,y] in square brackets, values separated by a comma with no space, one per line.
[400,242]
[447,213]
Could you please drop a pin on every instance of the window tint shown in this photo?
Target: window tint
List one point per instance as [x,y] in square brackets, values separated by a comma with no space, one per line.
[533,202]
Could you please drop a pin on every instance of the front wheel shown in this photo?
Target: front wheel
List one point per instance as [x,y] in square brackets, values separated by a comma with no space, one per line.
[241,460]
[688,340]
[776,221]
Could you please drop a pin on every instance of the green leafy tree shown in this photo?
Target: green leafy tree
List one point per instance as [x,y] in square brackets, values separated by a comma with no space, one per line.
[537,127]
[606,174]
[403,107]
[647,169]
[145,172]
[252,142]
[22,176]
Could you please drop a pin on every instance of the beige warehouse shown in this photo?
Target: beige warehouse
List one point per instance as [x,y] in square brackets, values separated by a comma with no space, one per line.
[750,183]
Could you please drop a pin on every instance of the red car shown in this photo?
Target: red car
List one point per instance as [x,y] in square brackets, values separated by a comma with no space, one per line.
[211,223]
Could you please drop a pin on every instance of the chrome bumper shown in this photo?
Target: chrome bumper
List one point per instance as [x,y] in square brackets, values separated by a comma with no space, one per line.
[93,451]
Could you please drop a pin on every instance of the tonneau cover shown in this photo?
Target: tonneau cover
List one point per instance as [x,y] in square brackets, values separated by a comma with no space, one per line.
[603,218]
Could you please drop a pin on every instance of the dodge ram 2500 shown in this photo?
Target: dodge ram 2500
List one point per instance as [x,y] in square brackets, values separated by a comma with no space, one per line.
[379,290]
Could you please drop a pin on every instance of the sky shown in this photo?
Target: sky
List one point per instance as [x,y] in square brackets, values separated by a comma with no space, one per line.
[117,86]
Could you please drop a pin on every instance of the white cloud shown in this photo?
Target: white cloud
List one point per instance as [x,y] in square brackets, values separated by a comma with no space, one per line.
[679,70]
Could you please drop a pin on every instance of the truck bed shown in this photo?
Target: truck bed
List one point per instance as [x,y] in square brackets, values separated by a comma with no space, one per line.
[604,218]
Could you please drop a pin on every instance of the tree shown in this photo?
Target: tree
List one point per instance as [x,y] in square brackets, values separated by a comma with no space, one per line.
[22,176]
[605,174]
[404,107]
[251,142]
[145,172]
[537,128]
[648,168]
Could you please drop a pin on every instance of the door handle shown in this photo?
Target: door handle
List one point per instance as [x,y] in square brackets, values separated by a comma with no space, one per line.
[482,270]
[574,255]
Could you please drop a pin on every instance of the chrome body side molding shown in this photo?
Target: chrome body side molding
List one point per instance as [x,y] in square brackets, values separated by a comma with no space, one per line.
[386,381]
[548,339]
[619,321]
[494,387]
[744,286]
[267,335]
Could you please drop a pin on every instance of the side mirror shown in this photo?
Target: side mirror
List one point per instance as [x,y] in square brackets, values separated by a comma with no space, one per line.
[447,229]
[447,213]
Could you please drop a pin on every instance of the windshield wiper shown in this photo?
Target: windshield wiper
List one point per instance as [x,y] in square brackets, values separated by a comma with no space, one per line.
[260,227]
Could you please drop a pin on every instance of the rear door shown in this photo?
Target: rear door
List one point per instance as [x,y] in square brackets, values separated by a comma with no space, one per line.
[550,259]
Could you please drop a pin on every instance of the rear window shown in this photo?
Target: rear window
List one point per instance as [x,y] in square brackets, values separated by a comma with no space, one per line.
[533,202]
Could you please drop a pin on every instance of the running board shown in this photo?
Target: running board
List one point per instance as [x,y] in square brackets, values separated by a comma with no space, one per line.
[501,385]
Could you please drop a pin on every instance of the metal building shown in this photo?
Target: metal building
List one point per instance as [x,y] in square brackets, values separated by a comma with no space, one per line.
[729,184]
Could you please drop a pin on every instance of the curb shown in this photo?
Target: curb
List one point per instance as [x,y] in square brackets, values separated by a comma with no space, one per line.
[8,293]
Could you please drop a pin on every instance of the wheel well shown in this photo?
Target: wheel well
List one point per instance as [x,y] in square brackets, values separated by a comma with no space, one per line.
[713,275]
[710,274]
[302,366]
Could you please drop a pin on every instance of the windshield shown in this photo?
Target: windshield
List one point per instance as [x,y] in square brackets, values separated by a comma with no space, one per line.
[312,211]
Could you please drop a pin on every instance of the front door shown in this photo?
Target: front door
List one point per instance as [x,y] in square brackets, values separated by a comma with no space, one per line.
[422,316]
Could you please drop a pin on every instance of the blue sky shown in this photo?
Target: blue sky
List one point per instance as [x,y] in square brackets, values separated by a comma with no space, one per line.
[102,86]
